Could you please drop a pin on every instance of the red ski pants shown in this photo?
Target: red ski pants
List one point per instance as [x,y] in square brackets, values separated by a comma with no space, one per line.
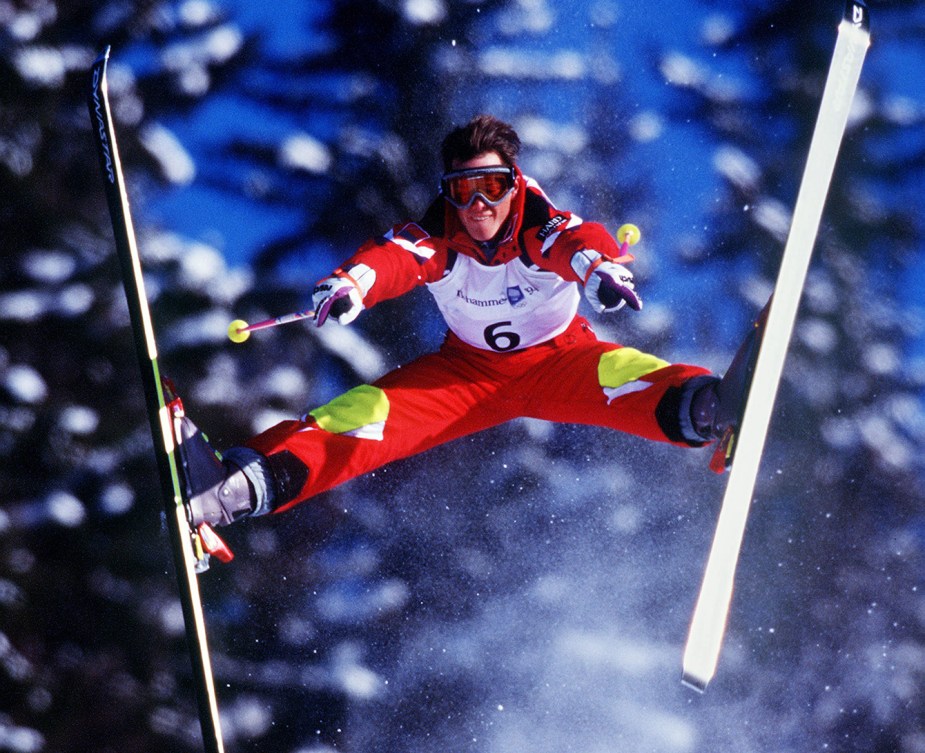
[459,390]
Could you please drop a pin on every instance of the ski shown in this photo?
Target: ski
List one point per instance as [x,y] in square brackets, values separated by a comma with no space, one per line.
[708,624]
[190,546]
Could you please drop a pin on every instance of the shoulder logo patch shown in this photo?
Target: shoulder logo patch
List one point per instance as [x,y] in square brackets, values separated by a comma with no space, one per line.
[551,226]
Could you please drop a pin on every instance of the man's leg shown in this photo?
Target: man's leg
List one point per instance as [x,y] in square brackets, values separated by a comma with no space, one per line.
[605,384]
[432,400]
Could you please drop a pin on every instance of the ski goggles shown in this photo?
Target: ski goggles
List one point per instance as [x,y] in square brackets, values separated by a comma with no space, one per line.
[490,184]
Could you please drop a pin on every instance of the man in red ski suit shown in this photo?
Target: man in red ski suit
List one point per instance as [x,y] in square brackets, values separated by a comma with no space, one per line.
[506,268]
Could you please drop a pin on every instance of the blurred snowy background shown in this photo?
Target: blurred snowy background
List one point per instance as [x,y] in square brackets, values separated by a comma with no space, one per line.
[528,589]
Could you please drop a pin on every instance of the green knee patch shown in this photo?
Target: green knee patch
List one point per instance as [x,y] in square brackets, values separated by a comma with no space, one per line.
[356,408]
[624,365]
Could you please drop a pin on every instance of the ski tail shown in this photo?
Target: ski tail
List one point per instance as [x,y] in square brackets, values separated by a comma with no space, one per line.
[188,554]
[708,624]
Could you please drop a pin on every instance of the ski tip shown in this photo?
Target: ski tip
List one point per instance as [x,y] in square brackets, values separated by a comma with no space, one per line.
[103,56]
[857,14]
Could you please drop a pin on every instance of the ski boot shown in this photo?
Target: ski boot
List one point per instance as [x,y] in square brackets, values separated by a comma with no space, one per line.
[716,404]
[222,489]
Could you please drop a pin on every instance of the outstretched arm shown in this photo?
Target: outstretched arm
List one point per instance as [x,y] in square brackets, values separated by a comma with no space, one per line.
[586,253]
[382,268]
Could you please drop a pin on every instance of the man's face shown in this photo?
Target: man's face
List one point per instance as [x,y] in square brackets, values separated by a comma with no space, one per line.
[480,220]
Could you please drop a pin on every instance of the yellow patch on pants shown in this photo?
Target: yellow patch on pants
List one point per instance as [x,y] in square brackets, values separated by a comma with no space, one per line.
[619,371]
[360,412]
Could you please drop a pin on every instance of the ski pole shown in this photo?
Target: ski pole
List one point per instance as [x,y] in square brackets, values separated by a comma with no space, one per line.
[239,330]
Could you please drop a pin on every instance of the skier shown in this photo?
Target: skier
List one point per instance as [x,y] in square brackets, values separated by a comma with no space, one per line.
[505,267]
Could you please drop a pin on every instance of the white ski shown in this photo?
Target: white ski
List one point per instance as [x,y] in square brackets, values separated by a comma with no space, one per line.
[187,545]
[708,624]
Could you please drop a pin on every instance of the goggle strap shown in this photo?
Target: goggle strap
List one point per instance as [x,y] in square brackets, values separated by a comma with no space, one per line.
[474,172]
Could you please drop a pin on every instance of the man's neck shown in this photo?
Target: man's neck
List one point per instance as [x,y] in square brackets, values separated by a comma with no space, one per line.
[490,247]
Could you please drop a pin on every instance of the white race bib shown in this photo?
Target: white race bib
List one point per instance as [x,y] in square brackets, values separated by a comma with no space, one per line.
[504,307]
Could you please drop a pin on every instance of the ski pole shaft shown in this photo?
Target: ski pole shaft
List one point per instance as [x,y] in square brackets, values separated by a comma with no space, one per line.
[284,319]
[239,330]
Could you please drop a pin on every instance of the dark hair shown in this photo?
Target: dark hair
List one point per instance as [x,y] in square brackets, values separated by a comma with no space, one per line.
[484,133]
